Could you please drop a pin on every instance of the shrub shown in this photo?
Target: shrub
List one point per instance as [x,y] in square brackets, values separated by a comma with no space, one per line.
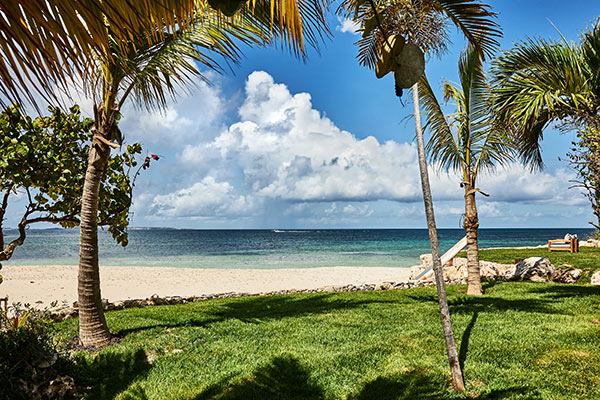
[31,366]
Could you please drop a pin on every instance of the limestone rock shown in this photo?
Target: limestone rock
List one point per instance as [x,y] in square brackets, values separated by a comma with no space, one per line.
[566,275]
[415,271]
[595,280]
[536,269]
[426,260]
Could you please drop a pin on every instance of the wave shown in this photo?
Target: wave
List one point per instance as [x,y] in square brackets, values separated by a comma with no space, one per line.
[288,231]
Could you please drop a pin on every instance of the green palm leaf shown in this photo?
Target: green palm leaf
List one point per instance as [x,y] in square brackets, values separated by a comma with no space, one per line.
[540,82]
[466,140]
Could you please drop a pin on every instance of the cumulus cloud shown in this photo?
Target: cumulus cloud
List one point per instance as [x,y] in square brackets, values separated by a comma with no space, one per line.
[192,118]
[207,198]
[287,150]
[282,154]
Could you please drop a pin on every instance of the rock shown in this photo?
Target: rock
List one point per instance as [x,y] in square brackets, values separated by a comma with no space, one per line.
[416,270]
[536,269]
[595,280]
[566,275]
[426,260]
[590,243]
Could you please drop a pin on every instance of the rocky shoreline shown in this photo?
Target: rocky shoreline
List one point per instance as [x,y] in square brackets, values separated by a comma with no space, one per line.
[538,269]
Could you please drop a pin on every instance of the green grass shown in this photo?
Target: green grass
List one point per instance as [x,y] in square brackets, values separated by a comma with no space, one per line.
[520,341]
[588,258]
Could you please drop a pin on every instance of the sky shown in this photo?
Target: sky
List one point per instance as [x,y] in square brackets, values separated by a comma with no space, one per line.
[280,143]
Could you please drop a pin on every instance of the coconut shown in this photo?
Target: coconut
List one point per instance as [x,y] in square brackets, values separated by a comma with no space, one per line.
[227,7]
[386,59]
[408,66]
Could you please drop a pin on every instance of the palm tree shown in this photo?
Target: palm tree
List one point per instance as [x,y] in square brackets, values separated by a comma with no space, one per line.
[149,72]
[466,141]
[388,28]
[49,43]
[539,82]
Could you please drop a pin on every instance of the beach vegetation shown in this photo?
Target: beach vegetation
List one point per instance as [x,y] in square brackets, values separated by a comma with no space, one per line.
[466,141]
[32,366]
[522,340]
[43,161]
[584,159]
[396,35]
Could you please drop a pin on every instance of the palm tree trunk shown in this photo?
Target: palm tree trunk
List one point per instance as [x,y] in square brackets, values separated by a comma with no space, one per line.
[93,330]
[457,377]
[471,223]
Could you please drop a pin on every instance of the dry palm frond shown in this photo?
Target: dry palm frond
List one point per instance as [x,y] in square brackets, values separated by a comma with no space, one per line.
[49,43]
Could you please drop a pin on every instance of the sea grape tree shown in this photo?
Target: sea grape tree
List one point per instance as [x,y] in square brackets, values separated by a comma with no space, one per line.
[43,163]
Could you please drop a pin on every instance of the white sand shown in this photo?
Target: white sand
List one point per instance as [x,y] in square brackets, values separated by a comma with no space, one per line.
[29,284]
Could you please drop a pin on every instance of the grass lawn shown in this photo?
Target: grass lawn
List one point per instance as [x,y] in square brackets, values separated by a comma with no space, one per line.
[588,258]
[520,341]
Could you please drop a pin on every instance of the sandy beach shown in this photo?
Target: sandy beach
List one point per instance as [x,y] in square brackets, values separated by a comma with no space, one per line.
[30,284]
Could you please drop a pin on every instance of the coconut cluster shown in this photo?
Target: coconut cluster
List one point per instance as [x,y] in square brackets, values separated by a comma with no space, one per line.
[405,59]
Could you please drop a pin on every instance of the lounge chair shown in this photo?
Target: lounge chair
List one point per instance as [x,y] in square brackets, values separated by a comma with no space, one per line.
[570,245]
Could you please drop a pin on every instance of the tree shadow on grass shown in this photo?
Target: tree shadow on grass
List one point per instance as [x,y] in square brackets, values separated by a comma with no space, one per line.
[464,341]
[108,374]
[255,310]
[468,304]
[414,384]
[418,384]
[283,378]
[568,290]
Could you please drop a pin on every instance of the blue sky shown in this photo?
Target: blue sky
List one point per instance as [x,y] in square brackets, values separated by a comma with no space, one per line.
[278,143]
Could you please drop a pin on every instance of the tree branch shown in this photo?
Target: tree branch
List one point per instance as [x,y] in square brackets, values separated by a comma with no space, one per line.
[2,212]
[8,251]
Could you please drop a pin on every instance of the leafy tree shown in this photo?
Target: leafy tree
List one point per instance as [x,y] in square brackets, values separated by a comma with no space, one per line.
[44,160]
[584,158]
[396,33]
[466,141]
[540,82]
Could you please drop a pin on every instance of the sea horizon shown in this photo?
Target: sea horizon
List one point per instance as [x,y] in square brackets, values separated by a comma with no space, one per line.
[267,248]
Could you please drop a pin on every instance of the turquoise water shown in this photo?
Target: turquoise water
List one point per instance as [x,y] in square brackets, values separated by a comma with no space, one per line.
[266,249]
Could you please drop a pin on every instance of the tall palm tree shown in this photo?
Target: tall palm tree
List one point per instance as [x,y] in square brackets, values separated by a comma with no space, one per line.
[149,72]
[420,24]
[466,141]
[48,43]
[539,82]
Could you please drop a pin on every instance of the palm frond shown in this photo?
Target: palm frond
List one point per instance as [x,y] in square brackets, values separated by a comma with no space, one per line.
[475,20]
[151,72]
[466,140]
[49,43]
[538,82]
[441,147]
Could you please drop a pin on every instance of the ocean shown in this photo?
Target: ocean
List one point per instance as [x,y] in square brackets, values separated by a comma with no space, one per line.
[265,249]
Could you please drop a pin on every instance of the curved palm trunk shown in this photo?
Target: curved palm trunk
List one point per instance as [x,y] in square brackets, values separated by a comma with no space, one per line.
[93,330]
[471,223]
[457,377]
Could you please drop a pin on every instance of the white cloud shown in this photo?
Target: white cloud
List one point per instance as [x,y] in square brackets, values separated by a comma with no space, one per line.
[348,26]
[284,156]
[194,117]
[287,150]
[207,198]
